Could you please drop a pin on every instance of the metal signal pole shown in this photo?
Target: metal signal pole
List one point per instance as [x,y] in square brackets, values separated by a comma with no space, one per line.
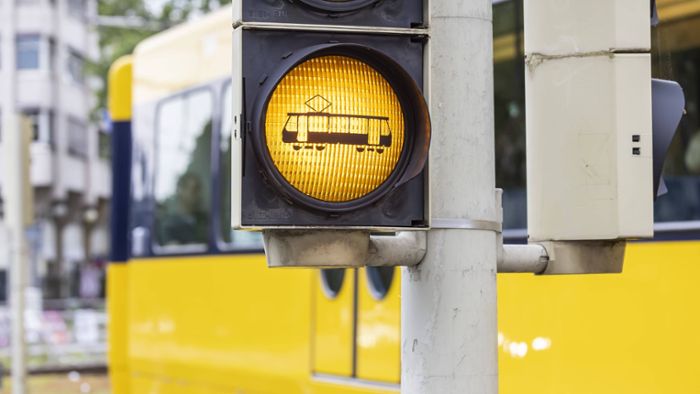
[448,305]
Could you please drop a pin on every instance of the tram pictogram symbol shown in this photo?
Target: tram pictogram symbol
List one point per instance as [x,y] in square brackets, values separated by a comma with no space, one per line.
[318,129]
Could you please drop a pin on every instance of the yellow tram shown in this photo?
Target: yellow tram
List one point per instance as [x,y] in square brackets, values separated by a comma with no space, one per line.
[194,309]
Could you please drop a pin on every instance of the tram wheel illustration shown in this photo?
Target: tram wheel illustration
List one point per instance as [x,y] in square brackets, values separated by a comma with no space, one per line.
[320,147]
[380,150]
[360,150]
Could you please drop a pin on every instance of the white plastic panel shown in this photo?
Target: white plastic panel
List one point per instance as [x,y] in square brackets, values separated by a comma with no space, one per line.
[568,26]
[586,180]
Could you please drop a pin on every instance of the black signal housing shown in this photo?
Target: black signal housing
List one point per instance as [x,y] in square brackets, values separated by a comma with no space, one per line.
[274,36]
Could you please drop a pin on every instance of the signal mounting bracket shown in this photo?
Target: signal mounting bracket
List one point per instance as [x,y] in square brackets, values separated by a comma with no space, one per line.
[343,248]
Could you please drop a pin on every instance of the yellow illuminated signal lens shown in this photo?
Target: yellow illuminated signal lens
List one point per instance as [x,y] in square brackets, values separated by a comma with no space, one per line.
[334,128]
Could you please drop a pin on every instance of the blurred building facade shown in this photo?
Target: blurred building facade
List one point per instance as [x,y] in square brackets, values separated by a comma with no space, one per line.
[53,42]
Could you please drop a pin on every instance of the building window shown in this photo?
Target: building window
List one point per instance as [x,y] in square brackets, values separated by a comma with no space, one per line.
[34,118]
[52,55]
[104,145]
[41,124]
[77,138]
[76,8]
[51,127]
[28,52]
[76,65]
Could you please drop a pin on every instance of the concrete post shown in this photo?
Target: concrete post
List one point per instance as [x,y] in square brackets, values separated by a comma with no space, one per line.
[448,305]
[13,195]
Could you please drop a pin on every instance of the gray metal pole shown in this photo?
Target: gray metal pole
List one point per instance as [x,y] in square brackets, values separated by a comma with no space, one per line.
[12,192]
[448,304]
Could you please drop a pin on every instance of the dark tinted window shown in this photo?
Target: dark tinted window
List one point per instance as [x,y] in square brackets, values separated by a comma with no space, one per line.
[509,96]
[380,280]
[33,115]
[77,138]
[182,172]
[76,67]
[676,56]
[332,280]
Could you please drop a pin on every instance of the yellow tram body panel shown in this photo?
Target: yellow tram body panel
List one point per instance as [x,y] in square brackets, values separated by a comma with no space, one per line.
[219,323]
[222,323]
[117,304]
[213,321]
[629,333]
[225,323]
[183,57]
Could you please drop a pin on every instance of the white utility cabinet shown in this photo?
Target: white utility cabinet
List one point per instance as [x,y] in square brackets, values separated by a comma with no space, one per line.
[589,122]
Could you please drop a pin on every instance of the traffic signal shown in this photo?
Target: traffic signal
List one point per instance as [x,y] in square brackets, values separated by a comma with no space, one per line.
[330,123]
[374,13]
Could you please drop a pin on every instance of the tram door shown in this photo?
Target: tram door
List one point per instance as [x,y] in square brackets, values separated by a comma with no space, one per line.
[356,329]
[373,132]
[333,328]
[378,338]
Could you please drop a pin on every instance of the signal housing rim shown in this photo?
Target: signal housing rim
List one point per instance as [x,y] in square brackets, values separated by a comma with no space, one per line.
[417,129]
[337,7]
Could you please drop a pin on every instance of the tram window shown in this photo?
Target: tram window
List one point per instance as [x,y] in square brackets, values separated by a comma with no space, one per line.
[385,128]
[292,124]
[356,125]
[509,95]
[335,124]
[318,124]
[380,280]
[676,57]
[373,131]
[234,239]
[303,128]
[332,280]
[182,173]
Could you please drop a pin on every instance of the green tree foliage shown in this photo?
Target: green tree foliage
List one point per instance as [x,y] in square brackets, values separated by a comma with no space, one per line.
[117,41]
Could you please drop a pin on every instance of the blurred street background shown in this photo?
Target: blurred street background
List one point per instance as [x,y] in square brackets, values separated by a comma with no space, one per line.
[63,50]
[68,383]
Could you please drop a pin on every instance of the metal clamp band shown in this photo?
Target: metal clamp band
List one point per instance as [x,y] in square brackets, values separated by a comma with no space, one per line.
[466,224]
[399,31]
